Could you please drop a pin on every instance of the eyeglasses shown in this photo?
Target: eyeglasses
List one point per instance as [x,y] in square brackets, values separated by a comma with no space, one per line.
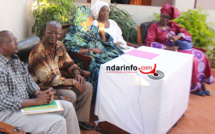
[166,17]
[13,40]
[50,32]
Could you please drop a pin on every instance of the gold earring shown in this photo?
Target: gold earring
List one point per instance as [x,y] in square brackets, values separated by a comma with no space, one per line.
[108,16]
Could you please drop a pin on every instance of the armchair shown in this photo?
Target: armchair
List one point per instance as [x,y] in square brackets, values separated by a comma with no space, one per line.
[25,48]
[142,32]
[6,128]
[86,59]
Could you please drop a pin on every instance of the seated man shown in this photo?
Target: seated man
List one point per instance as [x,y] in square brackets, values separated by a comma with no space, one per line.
[18,90]
[46,63]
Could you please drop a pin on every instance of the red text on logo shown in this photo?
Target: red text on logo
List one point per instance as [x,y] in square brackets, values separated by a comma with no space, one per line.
[146,69]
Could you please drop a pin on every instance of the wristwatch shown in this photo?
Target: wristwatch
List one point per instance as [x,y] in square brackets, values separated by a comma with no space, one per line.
[90,50]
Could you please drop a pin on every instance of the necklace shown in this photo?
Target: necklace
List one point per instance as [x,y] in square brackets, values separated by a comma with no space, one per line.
[164,28]
[103,22]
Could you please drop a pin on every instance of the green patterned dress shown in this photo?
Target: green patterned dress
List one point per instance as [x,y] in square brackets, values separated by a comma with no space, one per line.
[77,38]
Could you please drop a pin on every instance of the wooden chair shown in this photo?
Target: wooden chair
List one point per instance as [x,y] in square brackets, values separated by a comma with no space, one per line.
[142,32]
[6,128]
[86,59]
[212,59]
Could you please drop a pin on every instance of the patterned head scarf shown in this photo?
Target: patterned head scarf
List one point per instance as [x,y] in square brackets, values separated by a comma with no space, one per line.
[81,14]
[96,7]
[170,10]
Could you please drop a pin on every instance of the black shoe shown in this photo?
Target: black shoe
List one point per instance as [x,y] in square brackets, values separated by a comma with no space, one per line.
[101,131]
[85,126]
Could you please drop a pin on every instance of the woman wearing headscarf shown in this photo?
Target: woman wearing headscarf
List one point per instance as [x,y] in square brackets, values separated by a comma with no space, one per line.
[100,11]
[84,38]
[166,33]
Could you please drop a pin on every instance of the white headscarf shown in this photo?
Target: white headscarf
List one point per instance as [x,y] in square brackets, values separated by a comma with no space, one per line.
[95,8]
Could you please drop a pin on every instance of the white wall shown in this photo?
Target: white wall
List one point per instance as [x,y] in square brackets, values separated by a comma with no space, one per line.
[82,4]
[184,5]
[14,16]
[211,17]
[206,4]
[82,1]
[141,13]
[93,1]
[160,2]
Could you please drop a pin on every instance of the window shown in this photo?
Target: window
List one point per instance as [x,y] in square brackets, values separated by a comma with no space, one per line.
[133,2]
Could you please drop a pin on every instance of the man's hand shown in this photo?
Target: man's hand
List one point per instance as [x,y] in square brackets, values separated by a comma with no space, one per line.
[44,97]
[51,91]
[97,50]
[80,79]
[79,86]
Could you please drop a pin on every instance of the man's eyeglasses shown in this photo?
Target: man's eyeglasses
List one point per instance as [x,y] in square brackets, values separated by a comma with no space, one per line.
[14,40]
[50,32]
[166,17]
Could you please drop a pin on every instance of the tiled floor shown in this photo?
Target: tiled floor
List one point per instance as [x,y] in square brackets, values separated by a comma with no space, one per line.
[198,119]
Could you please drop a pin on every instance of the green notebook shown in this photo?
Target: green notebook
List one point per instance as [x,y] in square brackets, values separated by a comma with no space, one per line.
[53,105]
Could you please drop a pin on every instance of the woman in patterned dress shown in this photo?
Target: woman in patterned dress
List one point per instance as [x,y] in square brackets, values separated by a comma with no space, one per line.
[165,33]
[84,38]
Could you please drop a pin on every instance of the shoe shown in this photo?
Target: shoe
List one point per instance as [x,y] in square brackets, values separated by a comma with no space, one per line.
[101,131]
[206,92]
[200,93]
[85,126]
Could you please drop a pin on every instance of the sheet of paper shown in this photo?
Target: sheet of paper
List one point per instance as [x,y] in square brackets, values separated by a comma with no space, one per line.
[42,107]
[142,54]
[53,107]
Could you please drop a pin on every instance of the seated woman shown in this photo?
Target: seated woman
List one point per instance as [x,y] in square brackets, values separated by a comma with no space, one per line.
[165,34]
[84,38]
[100,11]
